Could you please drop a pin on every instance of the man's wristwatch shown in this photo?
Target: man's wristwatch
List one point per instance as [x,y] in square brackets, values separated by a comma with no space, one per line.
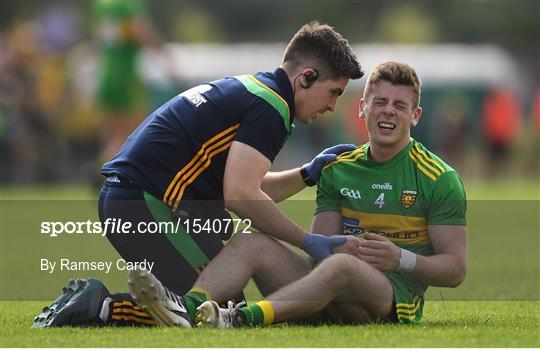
[305,176]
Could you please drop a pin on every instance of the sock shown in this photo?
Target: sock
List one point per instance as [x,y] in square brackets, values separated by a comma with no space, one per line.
[259,314]
[105,310]
[194,298]
[121,310]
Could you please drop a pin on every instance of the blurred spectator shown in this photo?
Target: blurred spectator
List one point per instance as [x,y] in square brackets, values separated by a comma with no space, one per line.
[501,123]
[531,153]
[452,109]
[57,28]
[122,30]
[28,128]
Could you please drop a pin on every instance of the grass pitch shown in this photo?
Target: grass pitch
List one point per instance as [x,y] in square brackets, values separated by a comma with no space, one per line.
[452,324]
[497,306]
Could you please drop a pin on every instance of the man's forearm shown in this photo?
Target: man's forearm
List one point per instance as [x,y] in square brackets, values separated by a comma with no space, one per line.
[265,216]
[441,270]
[282,185]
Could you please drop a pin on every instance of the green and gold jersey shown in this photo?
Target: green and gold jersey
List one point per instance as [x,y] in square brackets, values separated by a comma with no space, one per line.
[120,87]
[397,199]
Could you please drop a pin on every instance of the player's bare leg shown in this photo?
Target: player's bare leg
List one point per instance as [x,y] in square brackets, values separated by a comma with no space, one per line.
[247,255]
[271,264]
[354,291]
[339,279]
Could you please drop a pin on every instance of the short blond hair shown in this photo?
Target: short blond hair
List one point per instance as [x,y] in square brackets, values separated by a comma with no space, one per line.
[395,73]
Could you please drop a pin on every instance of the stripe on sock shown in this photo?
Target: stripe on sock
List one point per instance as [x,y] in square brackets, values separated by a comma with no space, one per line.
[268,312]
[133,318]
[131,311]
[126,303]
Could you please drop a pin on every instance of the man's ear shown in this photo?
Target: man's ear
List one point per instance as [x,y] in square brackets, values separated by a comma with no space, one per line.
[362,104]
[416,116]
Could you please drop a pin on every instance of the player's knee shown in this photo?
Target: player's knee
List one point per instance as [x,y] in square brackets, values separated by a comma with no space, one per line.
[341,261]
[240,241]
[340,267]
[250,242]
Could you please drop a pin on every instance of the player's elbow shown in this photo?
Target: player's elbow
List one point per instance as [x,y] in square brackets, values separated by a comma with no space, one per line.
[231,199]
[235,196]
[458,277]
[456,282]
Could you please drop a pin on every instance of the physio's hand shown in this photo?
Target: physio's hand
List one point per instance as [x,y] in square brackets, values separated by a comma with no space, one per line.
[313,168]
[320,246]
[350,246]
[379,252]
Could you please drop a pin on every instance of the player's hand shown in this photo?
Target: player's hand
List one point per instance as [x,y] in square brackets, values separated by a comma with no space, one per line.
[320,246]
[349,247]
[379,252]
[313,168]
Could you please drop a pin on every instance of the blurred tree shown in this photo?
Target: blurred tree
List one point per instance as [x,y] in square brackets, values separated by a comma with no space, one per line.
[194,23]
[407,23]
[509,23]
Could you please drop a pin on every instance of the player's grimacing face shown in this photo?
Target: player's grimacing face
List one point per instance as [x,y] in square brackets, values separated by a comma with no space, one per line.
[389,111]
[319,98]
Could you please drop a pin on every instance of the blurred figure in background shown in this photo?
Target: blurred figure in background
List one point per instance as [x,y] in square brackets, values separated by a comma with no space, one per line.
[29,130]
[122,30]
[453,109]
[37,97]
[501,122]
[532,138]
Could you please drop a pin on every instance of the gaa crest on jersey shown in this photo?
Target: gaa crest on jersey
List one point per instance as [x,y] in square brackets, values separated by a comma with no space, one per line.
[408,198]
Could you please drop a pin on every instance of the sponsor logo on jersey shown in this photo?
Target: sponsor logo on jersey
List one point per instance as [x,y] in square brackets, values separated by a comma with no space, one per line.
[351,193]
[384,186]
[351,227]
[397,235]
[408,198]
[350,221]
[194,95]
[349,230]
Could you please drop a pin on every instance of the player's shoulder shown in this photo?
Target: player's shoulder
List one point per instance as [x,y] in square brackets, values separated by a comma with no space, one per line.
[263,89]
[346,159]
[261,86]
[230,95]
[428,164]
[228,86]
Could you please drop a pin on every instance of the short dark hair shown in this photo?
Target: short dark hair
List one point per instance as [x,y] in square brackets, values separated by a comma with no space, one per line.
[395,73]
[320,45]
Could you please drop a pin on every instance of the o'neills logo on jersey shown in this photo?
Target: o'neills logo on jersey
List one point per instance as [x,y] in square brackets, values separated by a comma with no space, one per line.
[408,198]
[351,193]
[384,186]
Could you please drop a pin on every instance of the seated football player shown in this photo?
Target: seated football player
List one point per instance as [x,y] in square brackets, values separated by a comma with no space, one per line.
[402,208]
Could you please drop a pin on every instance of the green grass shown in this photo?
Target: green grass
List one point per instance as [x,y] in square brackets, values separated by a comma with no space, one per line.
[477,189]
[497,306]
[455,324]
[49,192]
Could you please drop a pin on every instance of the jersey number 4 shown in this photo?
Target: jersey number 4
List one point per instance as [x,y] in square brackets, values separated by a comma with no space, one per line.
[380,200]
